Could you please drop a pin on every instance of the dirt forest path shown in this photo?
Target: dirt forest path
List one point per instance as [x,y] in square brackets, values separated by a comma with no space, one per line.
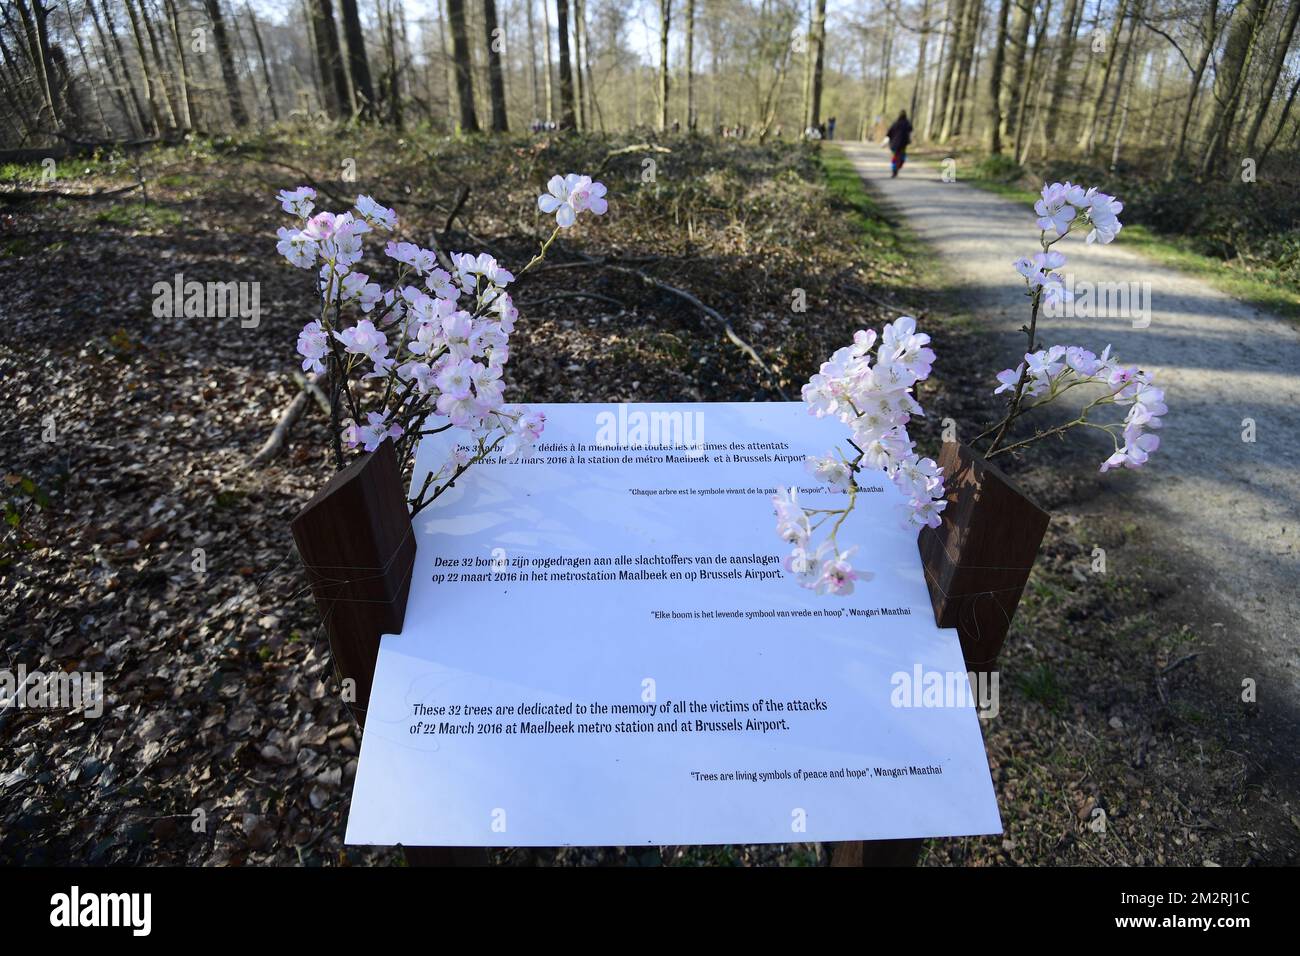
[1226,510]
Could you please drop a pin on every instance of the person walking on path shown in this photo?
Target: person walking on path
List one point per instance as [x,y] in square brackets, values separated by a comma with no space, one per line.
[899,135]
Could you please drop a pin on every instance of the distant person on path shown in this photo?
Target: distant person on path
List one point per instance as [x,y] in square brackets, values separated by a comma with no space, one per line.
[899,135]
[830,128]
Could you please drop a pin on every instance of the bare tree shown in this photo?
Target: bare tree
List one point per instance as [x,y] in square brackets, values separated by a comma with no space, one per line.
[665,21]
[468,117]
[993,131]
[358,63]
[496,83]
[819,58]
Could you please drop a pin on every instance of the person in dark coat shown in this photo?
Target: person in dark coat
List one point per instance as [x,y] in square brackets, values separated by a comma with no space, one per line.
[899,135]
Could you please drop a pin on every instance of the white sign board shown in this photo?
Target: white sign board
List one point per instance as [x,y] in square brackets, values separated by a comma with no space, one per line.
[601,648]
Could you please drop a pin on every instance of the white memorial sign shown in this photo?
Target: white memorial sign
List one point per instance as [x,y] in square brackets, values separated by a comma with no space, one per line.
[601,648]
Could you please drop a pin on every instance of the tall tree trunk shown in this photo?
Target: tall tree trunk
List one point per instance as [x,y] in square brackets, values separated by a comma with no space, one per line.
[579,82]
[118,69]
[1229,81]
[665,21]
[593,105]
[1135,18]
[1089,135]
[329,57]
[819,40]
[1123,124]
[393,77]
[496,83]
[1064,58]
[449,64]
[159,61]
[886,56]
[550,69]
[146,72]
[1281,121]
[35,24]
[1016,87]
[237,112]
[1271,75]
[468,121]
[261,55]
[1032,81]
[993,131]
[965,51]
[1209,35]
[358,62]
[535,113]
[918,86]
[90,81]
[174,24]
[942,64]
[690,65]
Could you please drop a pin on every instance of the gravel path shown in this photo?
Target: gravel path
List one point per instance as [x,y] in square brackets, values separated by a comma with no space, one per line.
[1228,510]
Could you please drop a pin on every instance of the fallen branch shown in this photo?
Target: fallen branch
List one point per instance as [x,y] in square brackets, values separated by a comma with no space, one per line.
[533,303]
[308,179]
[316,391]
[455,210]
[274,443]
[26,195]
[711,313]
[635,148]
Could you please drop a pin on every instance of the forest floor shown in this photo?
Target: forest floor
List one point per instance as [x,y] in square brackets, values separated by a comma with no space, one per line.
[129,441]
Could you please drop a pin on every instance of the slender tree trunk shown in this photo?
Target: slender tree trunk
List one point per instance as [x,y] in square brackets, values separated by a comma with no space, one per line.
[237,112]
[1019,40]
[146,72]
[1281,121]
[1032,81]
[1123,124]
[579,81]
[886,57]
[961,73]
[358,63]
[535,113]
[468,118]
[690,65]
[1157,57]
[36,27]
[993,130]
[1209,35]
[184,86]
[1124,62]
[393,78]
[1228,83]
[90,81]
[665,21]
[918,87]
[818,38]
[550,70]
[117,68]
[329,57]
[449,64]
[496,82]
[160,63]
[943,63]
[1272,74]
[1064,59]
[1089,135]
[261,55]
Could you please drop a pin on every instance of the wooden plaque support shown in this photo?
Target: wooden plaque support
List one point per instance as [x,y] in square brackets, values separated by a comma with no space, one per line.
[977,561]
[355,540]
